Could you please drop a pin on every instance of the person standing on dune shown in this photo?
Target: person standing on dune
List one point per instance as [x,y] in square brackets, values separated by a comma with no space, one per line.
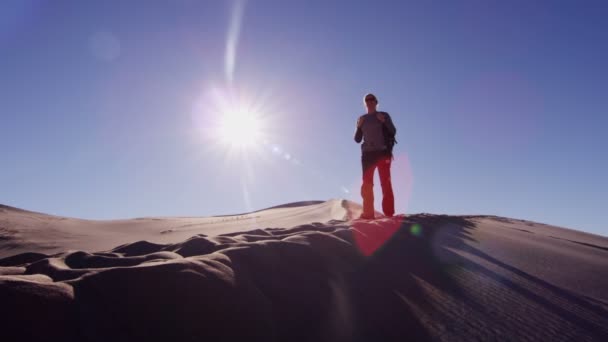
[373,128]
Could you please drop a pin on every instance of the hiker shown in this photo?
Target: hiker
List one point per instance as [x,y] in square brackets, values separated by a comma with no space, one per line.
[374,128]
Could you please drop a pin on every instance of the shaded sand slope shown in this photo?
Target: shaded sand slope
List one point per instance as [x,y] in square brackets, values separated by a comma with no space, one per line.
[420,277]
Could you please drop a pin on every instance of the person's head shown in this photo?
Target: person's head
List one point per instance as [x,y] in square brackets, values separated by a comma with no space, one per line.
[371,102]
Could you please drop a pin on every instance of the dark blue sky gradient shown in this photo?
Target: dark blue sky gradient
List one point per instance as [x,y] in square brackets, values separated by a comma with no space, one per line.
[500,106]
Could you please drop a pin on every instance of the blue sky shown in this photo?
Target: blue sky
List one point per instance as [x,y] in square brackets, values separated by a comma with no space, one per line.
[110,109]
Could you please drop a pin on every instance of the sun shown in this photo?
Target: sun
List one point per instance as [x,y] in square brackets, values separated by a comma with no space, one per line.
[240,128]
[230,121]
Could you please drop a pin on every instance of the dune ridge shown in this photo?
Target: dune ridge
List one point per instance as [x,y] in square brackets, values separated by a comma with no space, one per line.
[416,277]
[26,231]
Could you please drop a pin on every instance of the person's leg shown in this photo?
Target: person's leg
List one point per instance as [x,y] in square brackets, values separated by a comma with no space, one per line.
[388,200]
[367,188]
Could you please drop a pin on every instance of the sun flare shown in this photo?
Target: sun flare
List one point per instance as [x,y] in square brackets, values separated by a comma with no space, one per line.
[233,123]
[240,128]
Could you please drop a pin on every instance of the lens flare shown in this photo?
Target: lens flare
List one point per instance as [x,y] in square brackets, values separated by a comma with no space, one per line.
[371,236]
[233,39]
[105,46]
[416,230]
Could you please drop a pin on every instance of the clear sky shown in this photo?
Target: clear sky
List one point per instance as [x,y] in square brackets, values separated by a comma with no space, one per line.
[118,109]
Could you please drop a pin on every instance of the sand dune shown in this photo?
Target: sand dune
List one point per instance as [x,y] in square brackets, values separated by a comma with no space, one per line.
[300,272]
[25,231]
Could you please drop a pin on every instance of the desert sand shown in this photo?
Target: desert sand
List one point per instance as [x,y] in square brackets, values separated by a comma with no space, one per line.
[305,271]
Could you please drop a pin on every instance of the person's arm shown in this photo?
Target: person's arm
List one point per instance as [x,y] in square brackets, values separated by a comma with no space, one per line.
[359,132]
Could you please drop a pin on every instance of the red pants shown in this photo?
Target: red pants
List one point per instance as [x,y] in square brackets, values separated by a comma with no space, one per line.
[370,161]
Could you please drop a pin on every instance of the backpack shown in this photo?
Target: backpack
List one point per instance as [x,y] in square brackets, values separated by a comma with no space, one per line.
[389,140]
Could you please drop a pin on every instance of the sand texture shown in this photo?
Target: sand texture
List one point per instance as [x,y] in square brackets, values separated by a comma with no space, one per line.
[304,271]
